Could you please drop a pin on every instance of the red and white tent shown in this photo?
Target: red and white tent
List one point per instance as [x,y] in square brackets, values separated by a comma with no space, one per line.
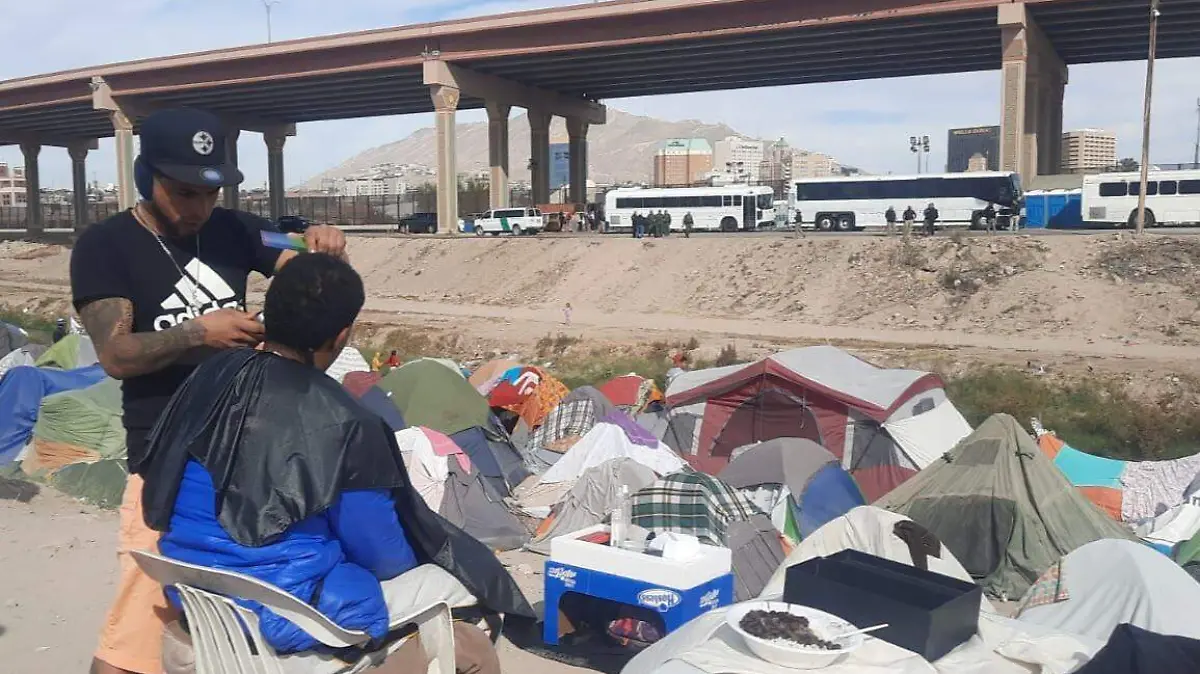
[883,424]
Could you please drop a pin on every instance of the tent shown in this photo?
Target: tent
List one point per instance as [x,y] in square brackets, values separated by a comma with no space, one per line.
[529,392]
[79,426]
[357,383]
[805,485]
[69,353]
[494,455]
[430,394]
[1171,528]
[25,355]
[606,442]
[21,394]
[349,360]
[1111,582]
[593,497]
[454,487]
[1002,507]
[822,394]
[1129,491]
[632,393]
[11,338]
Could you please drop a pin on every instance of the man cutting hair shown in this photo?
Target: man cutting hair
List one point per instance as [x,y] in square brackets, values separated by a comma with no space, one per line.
[159,288]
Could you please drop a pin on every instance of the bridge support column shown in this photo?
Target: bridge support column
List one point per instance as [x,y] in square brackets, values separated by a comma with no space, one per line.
[577,132]
[539,156]
[445,106]
[230,195]
[276,189]
[127,195]
[498,153]
[33,188]
[1033,80]
[79,195]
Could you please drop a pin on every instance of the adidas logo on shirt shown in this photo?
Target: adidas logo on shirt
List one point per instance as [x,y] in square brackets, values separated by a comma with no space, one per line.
[207,288]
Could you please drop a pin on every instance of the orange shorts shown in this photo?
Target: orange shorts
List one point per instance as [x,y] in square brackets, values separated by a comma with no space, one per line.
[133,630]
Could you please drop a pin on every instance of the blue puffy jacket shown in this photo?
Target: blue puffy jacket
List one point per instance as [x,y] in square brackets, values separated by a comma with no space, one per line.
[343,552]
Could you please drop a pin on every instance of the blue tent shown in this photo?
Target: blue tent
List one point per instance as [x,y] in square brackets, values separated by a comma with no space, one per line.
[819,489]
[493,455]
[21,393]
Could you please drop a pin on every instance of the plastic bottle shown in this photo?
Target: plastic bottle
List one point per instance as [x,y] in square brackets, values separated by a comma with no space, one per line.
[619,526]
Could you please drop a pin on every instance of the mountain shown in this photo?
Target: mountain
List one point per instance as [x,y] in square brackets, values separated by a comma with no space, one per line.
[620,150]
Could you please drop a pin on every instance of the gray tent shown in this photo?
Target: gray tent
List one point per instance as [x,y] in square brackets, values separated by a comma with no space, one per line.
[1002,507]
[594,496]
[472,504]
[757,553]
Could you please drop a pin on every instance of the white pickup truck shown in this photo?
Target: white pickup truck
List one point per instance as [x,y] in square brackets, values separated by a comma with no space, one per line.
[515,221]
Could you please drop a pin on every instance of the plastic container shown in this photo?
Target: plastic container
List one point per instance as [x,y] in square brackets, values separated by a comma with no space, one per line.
[786,654]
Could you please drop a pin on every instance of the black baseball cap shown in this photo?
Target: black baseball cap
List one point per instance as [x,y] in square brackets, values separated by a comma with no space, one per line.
[188,145]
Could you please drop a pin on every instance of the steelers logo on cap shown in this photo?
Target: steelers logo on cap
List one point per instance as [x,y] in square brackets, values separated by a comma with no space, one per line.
[202,143]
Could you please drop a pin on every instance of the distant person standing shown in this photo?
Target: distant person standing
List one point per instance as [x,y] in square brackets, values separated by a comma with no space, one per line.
[931,217]
[636,221]
[890,217]
[666,223]
[688,223]
[989,217]
[393,360]
[567,315]
[910,216]
[60,330]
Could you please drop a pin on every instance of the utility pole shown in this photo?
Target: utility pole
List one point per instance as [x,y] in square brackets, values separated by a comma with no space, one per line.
[1196,158]
[267,5]
[1141,211]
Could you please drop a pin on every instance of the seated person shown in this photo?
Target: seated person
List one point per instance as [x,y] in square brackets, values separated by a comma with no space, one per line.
[265,466]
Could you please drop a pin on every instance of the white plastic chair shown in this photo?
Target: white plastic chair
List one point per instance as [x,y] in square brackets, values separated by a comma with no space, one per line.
[222,631]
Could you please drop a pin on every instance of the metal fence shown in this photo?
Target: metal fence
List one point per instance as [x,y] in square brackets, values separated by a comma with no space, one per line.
[56,215]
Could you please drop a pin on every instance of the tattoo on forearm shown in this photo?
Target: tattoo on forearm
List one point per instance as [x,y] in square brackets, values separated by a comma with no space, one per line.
[127,354]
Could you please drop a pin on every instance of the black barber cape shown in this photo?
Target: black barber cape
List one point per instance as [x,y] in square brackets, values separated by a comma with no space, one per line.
[281,441]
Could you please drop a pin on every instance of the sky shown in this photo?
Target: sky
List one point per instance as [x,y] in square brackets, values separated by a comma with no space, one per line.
[865,124]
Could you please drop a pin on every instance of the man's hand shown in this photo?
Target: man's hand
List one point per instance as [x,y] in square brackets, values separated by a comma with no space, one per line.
[326,239]
[230,328]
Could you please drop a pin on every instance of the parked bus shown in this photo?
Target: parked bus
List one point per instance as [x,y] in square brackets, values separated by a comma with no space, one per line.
[844,204]
[1172,198]
[715,209]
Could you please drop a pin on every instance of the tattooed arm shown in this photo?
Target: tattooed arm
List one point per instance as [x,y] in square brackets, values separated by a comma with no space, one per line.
[123,353]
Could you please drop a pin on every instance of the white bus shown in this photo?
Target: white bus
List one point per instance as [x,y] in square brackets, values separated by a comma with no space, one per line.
[844,204]
[1172,198]
[714,209]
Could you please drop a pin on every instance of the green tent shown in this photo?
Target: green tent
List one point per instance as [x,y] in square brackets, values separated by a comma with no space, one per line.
[68,353]
[87,418]
[1002,507]
[1188,551]
[101,483]
[432,395]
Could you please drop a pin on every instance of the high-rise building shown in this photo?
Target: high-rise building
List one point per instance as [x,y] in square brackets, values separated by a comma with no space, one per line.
[807,164]
[682,161]
[964,144]
[738,158]
[12,185]
[977,163]
[1088,149]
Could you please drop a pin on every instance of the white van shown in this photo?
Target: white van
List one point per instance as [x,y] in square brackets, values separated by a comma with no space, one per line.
[515,221]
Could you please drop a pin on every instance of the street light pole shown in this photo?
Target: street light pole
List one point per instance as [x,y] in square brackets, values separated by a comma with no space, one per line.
[267,5]
[1141,211]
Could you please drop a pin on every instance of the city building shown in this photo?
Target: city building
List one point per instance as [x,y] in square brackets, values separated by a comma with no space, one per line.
[776,165]
[682,161]
[738,159]
[12,185]
[977,163]
[373,186]
[964,145]
[806,164]
[1088,149]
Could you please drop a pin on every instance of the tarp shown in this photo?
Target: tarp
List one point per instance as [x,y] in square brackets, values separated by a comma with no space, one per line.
[349,360]
[21,394]
[430,394]
[486,376]
[1002,507]
[691,503]
[820,490]
[1112,582]
[606,442]
[633,393]
[69,353]
[596,494]
[22,356]
[1171,528]
[927,436]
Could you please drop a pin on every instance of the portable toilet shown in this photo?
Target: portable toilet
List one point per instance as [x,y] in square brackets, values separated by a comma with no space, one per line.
[1064,209]
[1037,213]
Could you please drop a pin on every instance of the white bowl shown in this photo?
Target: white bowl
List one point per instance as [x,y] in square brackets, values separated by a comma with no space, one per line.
[787,654]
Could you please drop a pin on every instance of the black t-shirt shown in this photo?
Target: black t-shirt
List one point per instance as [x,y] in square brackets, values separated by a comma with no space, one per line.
[120,258]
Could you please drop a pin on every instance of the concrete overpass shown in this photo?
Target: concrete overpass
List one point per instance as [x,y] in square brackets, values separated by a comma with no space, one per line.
[564,61]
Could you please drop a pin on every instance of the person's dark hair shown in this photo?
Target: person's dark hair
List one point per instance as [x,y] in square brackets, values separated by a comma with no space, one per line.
[312,299]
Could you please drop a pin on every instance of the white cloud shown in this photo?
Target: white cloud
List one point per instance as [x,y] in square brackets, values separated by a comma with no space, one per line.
[862,123]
